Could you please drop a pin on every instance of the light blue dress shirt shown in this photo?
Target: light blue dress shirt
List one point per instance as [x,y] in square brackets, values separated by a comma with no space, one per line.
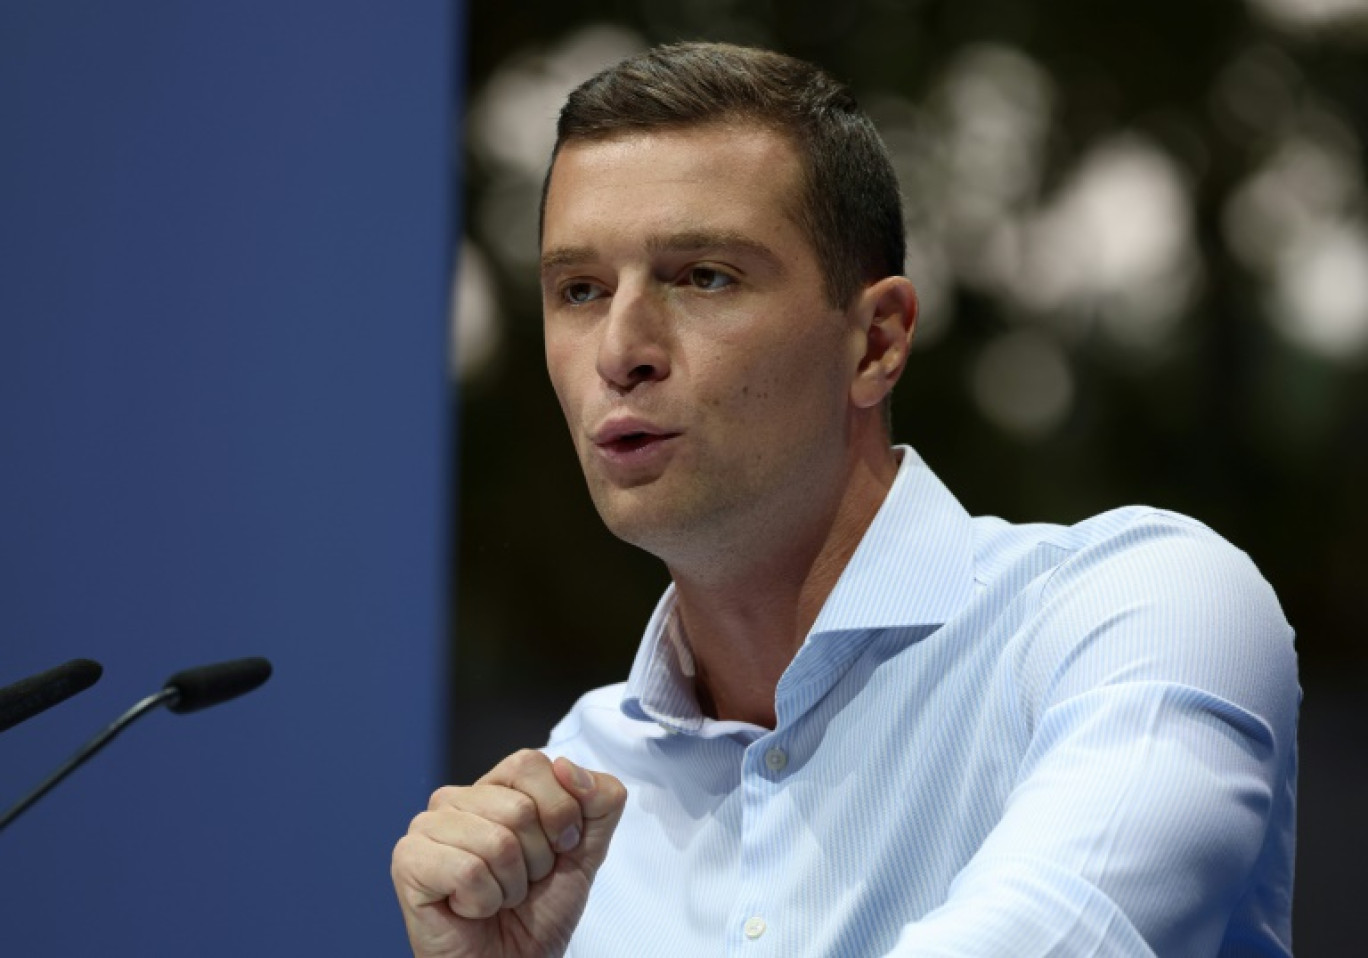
[997,740]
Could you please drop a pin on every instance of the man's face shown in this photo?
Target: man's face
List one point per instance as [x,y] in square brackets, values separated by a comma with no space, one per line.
[700,367]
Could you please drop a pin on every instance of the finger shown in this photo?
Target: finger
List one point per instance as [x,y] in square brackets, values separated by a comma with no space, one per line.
[558,810]
[517,812]
[426,872]
[492,842]
[602,799]
[599,794]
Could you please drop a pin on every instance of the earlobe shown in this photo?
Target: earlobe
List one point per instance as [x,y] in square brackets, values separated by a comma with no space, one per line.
[888,320]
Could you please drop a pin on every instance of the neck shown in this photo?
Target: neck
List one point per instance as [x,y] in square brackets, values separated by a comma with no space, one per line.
[747,616]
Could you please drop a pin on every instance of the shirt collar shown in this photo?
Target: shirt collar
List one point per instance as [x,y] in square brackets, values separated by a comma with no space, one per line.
[914,566]
[660,685]
[915,563]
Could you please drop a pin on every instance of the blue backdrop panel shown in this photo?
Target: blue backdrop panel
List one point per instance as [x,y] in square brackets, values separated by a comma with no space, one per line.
[223,263]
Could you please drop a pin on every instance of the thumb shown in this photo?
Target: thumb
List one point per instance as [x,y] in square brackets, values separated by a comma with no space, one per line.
[602,799]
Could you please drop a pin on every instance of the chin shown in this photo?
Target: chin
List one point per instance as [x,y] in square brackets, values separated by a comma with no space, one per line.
[650,523]
[641,528]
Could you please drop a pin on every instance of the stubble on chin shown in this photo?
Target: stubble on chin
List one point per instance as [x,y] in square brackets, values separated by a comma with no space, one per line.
[681,520]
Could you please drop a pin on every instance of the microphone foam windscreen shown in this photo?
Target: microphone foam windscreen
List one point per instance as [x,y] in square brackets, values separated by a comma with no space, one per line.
[211,684]
[37,693]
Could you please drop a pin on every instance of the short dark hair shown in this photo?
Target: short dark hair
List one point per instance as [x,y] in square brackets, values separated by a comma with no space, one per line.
[850,210]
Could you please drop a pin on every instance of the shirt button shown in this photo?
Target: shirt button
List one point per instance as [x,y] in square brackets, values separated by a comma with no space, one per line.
[755,927]
[775,760]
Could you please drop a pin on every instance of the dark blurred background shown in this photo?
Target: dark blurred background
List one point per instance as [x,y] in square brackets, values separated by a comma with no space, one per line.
[1140,237]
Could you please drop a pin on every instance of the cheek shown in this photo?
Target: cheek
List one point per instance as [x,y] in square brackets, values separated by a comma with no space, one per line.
[751,398]
[788,379]
[727,382]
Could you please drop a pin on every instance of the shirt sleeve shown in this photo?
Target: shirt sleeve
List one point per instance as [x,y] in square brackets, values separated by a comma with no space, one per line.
[1155,801]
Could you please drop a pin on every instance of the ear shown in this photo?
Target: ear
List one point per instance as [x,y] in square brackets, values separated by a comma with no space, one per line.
[886,317]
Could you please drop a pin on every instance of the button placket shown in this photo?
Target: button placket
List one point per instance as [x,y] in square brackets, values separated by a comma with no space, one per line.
[761,781]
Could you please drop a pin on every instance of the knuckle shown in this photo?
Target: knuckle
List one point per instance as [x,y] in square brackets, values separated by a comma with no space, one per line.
[505,850]
[527,761]
[521,811]
[417,823]
[469,873]
[446,795]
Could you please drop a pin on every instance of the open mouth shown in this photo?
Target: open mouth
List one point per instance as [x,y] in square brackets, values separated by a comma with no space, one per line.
[630,445]
[627,439]
[633,441]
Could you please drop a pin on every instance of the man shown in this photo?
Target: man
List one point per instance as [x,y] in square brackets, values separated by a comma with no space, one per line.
[860,721]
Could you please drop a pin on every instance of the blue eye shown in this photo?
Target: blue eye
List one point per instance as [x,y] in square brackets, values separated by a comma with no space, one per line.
[704,277]
[577,294]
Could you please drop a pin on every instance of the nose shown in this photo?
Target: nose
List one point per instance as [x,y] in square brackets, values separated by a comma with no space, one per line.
[634,348]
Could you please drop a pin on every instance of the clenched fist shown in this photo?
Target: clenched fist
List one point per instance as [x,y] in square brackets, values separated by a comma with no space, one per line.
[503,868]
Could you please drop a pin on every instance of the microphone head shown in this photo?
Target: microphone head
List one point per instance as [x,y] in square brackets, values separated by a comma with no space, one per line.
[37,693]
[211,684]
[80,674]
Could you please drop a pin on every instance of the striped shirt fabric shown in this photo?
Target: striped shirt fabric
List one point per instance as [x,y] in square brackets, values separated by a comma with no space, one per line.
[997,740]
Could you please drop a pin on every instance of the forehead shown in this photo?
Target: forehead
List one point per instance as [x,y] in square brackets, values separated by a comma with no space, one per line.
[723,176]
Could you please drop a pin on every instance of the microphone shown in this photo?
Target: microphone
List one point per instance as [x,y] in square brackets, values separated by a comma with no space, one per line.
[187,691]
[38,693]
[211,684]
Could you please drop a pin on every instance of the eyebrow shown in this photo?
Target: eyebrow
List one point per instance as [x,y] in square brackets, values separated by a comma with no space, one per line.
[566,256]
[693,240]
[685,242]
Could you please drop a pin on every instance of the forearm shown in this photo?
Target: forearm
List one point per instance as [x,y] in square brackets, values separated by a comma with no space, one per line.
[1134,830]
[1023,909]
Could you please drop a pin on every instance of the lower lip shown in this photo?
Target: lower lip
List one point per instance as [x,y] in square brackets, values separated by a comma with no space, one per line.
[636,453]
